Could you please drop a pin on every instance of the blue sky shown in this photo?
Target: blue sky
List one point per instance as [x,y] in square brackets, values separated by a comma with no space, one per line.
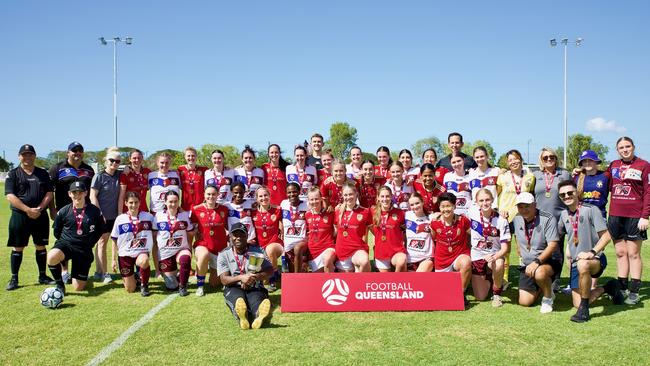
[259,71]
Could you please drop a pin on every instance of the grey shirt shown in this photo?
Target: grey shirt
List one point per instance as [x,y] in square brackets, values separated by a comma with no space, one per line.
[544,230]
[590,223]
[108,193]
[227,262]
[552,204]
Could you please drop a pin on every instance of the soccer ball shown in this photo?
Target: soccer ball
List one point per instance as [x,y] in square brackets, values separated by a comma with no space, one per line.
[51,297]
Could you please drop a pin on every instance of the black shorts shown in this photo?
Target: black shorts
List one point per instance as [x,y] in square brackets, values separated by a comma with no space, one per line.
[528,283]
[81,259]
[108,226]
[625,228]
[21,227]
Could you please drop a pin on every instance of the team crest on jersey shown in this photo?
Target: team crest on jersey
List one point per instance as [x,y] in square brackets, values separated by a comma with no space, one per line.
[394,217]
[145,226]
[359,217]
[474,225]
[202,214]
[491,181]
[599,184]
[125,227]
[622,190]
[458,232]
[131,179]
[325,219]
[439,231]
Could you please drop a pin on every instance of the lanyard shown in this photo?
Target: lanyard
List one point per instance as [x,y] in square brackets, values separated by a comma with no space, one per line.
[574,224]
[514,181]
[79,219]
[346,220]
[241,266]
[487,228]
[134,224]
[528,229]
[548,182]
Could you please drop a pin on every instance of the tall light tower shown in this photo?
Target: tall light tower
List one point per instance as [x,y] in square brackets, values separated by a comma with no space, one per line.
[128,41]
[565,43]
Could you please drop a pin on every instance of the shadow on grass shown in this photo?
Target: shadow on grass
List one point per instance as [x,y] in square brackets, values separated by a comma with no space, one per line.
[66,305]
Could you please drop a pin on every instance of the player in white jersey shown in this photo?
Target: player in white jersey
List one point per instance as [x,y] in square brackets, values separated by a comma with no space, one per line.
[220,176]
[411,172]
[251,177]
[162,181]
[293,225]
[401,191]
[240,210]
[419,244]
[172,226]
[132,241]
[353,170]
[457,183]
[301,173]
[490,238]
[483,176]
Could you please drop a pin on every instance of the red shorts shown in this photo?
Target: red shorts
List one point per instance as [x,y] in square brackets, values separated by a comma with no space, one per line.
[413,267]
[168,265]
[480,268]
[126,265]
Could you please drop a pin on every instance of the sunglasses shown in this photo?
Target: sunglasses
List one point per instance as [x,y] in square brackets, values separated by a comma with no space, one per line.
[549,158]
[115,161]
[77,150]
[567,194]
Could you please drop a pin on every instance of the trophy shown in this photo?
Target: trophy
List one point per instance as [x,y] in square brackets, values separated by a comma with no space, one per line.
[255,261]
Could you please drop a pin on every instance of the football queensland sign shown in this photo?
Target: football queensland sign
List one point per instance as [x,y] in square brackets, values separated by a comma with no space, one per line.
[394,291]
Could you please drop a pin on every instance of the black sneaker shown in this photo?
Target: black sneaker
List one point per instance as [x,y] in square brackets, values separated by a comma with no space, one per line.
[144,291]
[61,288]
[182,291]
[46,280]
[12,285]
[614,290]
[581,316]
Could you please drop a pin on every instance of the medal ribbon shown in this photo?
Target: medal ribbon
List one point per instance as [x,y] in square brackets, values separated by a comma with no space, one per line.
[79,219]
[528,230]
[134,224]
[514,181]
[548,182]
[574,224]
[240,265]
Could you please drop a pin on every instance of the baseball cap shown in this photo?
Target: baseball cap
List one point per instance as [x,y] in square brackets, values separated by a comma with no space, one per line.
[75,145]
[525,197]
[77,186]
[27,148]
[588,155]
[239,227]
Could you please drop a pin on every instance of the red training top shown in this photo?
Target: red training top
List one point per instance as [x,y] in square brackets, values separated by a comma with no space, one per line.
[191,186]
[368,191]
[451,241]
[211,225]
[389,233]
[320,232]
[276,182]
[430,197]
[630,188]
[136,182]
[351,227]
[267,226]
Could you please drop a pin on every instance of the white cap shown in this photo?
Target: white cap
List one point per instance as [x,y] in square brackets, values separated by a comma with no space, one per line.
[525,197]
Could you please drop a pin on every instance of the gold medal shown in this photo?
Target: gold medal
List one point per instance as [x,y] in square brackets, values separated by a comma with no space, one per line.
[275,188]
[191,191]
[383,237]
[548,194]
[264,234]
[211,232]
[575,240]
[450,249]
[345,233]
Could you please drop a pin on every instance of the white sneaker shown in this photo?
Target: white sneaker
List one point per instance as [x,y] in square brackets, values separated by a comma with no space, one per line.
[567,290]
[632,298]
[65,276]
[497,302]
[199,291]
[547,304]
[107,278]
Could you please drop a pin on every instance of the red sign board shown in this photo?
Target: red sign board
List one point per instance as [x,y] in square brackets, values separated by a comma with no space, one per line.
[394,291]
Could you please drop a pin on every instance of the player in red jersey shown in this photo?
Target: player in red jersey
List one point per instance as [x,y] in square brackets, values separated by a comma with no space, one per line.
[332,187]
[429,188]
[135,180]
[451,235]
[326,172]
[191,176]
[399,187]
[267,219]
[274,175]
[431,156]
[388,230]
[385,161]
[629,209]
[211,220]
[352,224]
[410,172]
[369,184]
[320,234]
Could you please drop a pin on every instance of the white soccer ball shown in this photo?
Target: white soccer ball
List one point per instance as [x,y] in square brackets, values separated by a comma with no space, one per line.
[342,291]
[51,297]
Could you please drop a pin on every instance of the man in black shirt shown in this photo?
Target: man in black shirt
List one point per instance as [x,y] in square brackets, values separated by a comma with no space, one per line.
[455,144]
[28,189]
[77,227]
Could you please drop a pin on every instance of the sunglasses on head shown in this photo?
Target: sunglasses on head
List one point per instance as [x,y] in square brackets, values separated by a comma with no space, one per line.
[549,158]
[115,160]
[567,194]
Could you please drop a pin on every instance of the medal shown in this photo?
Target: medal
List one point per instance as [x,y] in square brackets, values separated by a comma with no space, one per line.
[79,232]
[79,219]
[264,234]
[191,191]
[548,194]
[383,237]
[211,232]
[450,249]
[548,182]
[275,188]
[345,233]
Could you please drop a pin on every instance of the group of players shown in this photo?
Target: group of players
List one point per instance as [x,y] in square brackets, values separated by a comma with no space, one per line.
[317,214]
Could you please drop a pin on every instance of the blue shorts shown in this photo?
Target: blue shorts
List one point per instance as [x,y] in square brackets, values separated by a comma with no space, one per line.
[574,277]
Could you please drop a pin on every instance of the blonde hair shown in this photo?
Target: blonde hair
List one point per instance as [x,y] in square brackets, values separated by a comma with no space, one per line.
[541,153]
[349,185]
[376,218]
[486,191]
[190,148]
[112,153]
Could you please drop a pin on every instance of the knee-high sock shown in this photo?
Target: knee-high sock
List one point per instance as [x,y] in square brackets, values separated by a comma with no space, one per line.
[185,262]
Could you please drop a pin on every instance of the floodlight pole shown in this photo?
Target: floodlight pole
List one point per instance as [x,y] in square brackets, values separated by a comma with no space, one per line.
[127,40]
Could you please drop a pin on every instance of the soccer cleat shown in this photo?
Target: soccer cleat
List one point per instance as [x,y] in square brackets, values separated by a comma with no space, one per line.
[581,316]
[182,291]
[262,312]
[61,288]
[497,302]
[632,298]
[67,279]
[12,285]
[613,289]
[199,291]
[241,310]
[107,278]
[46,280]
[144,291]
[556,286]
[547,304]
[272,287]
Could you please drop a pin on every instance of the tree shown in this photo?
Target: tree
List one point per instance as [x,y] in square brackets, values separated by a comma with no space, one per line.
[431,142]
[177,159]
[342,138]
[5,166]
[468,148]
[577,144]
[232,156]
[502,162]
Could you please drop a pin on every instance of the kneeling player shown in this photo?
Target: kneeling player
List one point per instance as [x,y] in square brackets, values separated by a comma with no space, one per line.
[419,245]
[490,242]
[451,234]
[587,237]
[77,229]
[132,241]
[388,230]
[320,234]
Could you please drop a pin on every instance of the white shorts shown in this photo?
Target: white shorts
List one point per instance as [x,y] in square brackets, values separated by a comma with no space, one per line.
[345,265]
[213,261]
[383,263]
[319,262]
[450,268]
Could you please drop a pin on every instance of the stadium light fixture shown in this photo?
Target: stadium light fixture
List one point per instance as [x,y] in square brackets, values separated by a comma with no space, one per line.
[128,41]
[565,43]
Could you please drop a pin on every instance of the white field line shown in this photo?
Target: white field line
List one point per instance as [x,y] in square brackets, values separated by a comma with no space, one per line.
[119,341]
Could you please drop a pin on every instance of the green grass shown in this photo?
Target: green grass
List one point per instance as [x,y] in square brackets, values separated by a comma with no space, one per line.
[195,330]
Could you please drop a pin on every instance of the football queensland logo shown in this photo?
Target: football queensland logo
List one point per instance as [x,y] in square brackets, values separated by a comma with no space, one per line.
[335,291]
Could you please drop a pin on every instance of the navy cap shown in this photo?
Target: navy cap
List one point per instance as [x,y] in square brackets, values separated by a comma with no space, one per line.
[588,155]
[75,145]
[239,227]
[77,186]
[27,148]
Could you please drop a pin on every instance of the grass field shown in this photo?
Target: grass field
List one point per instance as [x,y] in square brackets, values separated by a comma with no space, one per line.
[195,330]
